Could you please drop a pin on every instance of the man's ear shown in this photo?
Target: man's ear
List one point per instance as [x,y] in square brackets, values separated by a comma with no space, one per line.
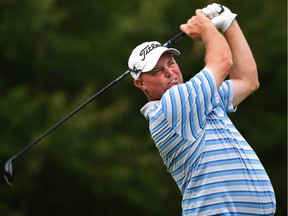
[140,84]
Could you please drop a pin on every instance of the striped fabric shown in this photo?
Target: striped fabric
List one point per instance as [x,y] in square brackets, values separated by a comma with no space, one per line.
[216,170]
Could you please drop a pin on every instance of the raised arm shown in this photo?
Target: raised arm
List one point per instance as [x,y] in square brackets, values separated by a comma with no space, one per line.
[244,71]
[218,56]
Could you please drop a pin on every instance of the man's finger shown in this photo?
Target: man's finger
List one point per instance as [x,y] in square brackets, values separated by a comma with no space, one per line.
[213,10]
[207,12]
[198,11]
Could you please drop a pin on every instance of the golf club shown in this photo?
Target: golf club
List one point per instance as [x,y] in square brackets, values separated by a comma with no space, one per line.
[8,168]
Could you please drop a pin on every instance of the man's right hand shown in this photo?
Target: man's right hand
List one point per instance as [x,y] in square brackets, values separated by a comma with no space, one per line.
[218,57]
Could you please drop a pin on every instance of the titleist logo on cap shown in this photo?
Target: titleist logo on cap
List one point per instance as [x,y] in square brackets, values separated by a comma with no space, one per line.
[147,50]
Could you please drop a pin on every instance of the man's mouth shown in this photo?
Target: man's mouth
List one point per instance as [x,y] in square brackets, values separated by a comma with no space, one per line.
[173,81]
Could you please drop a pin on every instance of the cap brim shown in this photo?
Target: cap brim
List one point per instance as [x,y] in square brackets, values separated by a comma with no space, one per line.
[156,56]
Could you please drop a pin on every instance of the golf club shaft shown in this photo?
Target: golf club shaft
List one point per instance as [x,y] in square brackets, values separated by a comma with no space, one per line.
[68,116]
[174,39]
[167,44]
[8,169]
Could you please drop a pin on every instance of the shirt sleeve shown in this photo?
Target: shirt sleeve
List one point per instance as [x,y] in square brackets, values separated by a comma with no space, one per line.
[186,106]
[226,94]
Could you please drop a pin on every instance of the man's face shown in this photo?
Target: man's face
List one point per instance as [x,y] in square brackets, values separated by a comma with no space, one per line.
[165,74]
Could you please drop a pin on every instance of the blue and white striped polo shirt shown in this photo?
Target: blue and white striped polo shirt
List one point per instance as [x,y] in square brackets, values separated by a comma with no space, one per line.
[216,170]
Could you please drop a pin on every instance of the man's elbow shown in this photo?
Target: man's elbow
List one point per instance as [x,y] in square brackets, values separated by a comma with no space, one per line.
[254,83]
[228,63]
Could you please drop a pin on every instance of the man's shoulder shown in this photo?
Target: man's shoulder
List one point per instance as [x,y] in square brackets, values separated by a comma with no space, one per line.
[149,107]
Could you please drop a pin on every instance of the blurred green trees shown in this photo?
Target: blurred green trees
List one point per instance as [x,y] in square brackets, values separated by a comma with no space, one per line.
[54,55]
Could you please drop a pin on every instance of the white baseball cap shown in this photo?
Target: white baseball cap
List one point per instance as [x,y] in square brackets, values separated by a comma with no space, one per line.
[145,56]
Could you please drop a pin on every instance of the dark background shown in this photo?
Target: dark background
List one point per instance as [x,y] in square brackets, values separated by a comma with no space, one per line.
[55,54]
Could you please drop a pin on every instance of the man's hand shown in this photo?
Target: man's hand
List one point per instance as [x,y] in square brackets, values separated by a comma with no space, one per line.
[198,26]
[218,57]
[220,16]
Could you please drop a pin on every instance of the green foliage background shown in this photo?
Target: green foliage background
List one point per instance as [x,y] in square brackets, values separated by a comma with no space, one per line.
[55,54]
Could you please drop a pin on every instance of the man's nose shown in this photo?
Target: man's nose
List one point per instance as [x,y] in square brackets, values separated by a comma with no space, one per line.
[168,72]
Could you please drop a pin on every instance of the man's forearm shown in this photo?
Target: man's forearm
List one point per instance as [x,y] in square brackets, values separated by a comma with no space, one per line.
[218,56]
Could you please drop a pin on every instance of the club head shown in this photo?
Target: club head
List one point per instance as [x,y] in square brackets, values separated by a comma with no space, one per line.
[8,172]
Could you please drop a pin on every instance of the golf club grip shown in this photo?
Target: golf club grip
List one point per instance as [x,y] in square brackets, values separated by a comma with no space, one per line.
[174,39]
[182,34]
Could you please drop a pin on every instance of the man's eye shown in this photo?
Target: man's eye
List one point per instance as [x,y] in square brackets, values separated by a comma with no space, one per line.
[171,63]
[156,71]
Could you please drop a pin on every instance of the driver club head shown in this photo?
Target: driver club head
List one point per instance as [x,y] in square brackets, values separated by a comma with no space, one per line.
[8,172]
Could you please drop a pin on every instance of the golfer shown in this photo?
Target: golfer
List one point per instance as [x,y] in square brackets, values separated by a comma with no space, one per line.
[216,170]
